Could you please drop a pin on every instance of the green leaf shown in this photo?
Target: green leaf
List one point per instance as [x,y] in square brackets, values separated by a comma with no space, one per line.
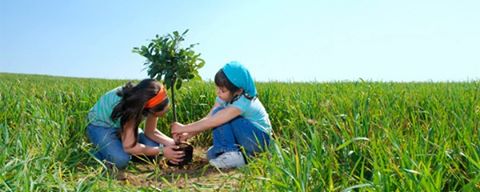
[351,141]
[178,84]
[168,83]
[201,63]
[185,32]
[166,60]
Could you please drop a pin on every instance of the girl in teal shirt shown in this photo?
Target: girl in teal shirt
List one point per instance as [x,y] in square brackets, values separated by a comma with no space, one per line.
[114,120]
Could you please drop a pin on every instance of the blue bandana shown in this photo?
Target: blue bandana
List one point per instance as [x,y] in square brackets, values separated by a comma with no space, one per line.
[240,77]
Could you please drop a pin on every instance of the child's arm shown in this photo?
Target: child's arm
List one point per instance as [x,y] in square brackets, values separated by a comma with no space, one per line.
[208,122]
[191,134]
[213,108]
[152,132]
[134,148]
[131,146]
[184,137]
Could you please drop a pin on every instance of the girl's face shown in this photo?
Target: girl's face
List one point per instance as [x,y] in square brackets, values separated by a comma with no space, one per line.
[224,94]
[162,112]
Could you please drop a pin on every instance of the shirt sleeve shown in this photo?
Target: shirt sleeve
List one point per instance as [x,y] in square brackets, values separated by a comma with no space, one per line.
[220,101]
[242,103]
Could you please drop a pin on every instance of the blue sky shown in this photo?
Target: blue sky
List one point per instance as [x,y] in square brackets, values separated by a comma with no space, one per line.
[278,40]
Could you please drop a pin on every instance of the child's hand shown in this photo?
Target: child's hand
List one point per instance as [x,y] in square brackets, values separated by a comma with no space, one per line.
[176,128]
[170,141]
[181,137]
[172,155]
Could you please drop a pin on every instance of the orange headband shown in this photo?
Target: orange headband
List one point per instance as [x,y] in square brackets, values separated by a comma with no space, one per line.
[157,99]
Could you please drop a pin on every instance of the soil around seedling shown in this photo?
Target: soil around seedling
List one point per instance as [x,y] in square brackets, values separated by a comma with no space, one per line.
[196,175]
[187,148]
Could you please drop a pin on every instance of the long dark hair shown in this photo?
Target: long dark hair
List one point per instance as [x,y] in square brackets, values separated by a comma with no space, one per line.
[134,97]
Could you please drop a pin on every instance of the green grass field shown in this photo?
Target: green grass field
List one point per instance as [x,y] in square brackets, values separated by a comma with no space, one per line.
[339,136]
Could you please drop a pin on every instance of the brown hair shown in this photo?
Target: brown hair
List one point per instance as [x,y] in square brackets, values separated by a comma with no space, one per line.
[134,98]
[221,80]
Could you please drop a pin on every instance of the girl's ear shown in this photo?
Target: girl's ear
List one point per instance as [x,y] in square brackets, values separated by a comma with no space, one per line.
[238,92]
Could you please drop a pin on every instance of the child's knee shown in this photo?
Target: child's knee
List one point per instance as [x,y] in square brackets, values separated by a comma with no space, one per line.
[142,138]
[121,162]
[211,154]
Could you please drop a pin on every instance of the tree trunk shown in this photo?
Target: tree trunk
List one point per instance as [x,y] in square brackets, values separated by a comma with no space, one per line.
[173,102]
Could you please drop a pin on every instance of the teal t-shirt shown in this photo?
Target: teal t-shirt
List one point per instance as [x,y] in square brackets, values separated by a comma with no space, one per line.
[251,110]
[100,113]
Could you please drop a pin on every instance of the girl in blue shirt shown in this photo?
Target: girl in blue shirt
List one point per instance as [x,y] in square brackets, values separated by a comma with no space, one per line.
[238,119]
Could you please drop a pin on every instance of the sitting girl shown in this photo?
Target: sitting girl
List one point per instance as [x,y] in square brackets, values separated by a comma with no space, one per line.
[238,119]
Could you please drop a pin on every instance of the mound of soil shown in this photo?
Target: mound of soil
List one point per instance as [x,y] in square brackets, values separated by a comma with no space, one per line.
[187,148]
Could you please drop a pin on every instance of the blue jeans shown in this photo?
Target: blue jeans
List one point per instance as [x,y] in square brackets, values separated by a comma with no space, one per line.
[239,132]
[109,146]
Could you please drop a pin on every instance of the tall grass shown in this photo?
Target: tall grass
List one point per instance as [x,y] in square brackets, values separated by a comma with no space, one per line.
[339,136]
[373,136]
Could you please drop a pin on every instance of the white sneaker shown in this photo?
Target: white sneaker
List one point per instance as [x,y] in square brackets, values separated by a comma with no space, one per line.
[231,159]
